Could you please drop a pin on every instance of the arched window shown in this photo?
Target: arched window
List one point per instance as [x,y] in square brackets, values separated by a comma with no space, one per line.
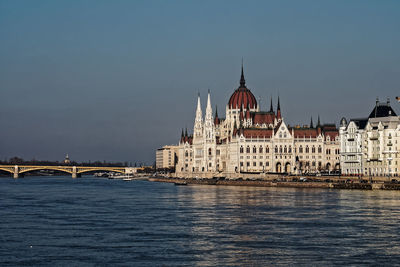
[301,149]
[280,149]
[285,149]
[313,149]
[254,149]
[290,149]
[186,154]
[267,149]
[319,149]
[260,150]
[247,149]
[307,149]
[276,149]
[209,151]
[241,149]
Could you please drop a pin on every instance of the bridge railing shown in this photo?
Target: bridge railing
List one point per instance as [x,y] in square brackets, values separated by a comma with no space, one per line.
[75,171]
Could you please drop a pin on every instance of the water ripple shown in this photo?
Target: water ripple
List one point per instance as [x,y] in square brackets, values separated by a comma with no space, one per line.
[59,221]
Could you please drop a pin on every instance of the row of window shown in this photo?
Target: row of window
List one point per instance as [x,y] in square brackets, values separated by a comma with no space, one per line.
[285,149]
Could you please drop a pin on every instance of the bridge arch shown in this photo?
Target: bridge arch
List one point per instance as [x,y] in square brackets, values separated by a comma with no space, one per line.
[39,168]
[9,170]
[80,171]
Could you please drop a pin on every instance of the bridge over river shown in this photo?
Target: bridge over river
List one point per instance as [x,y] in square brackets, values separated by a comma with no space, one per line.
[75,171]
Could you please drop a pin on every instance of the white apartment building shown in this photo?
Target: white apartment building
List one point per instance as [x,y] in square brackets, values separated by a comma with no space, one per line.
[382,146]
[364,143]
[165,157]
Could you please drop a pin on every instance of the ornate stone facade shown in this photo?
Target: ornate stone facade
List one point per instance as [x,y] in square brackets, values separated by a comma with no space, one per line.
[371,146]
[252,141]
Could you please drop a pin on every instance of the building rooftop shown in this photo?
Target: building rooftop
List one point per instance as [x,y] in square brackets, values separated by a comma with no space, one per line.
[382,110]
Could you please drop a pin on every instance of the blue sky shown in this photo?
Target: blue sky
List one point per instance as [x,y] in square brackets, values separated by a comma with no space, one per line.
[114,80]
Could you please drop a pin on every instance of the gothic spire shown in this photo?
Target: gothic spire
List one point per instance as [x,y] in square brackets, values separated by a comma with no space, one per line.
[208,101]
[242,80]
[279,105]
[208,117]
[311,123]
[199,115]
[271,109]
[319,122]
[278,110]
[216,119]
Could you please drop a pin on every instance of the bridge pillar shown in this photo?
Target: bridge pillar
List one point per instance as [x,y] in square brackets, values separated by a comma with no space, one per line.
[74,174]
[16,171]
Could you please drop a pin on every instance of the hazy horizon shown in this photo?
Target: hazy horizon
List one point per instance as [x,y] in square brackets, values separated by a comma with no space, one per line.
[114,81]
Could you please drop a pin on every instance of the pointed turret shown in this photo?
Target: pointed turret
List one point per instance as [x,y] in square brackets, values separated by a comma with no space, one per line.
[198,121]
[216,119]
[186,138]
[271,108]
[199,115]
[278,110]
[182,136]
[311,123]
[208,117]
[208,120]
[242,80]
[318,123]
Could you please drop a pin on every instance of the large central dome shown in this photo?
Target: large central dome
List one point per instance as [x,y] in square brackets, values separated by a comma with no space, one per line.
[242,97]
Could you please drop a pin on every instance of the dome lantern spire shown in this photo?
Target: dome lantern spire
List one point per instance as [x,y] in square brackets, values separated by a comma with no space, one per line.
[242,80]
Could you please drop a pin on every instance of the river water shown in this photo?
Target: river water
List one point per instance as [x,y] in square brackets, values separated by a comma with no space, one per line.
[60,221]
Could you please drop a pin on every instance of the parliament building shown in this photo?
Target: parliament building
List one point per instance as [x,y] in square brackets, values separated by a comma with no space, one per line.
[249,140]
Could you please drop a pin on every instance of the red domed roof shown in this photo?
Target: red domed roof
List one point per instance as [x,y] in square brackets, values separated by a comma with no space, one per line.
[242,97]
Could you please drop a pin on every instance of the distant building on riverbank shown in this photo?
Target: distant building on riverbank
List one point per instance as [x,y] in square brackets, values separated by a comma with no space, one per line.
[249,140]
[67,160]
[165,157]
[371,146]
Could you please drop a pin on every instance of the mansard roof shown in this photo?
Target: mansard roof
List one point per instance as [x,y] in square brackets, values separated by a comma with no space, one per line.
[382,110]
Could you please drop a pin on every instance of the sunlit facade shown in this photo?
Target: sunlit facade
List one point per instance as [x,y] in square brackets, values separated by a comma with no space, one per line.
[252,141]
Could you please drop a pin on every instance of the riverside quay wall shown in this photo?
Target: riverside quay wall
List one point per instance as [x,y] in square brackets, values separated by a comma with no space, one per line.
[333,182]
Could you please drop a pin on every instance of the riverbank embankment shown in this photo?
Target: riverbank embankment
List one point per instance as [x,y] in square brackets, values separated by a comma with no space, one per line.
[304,183]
